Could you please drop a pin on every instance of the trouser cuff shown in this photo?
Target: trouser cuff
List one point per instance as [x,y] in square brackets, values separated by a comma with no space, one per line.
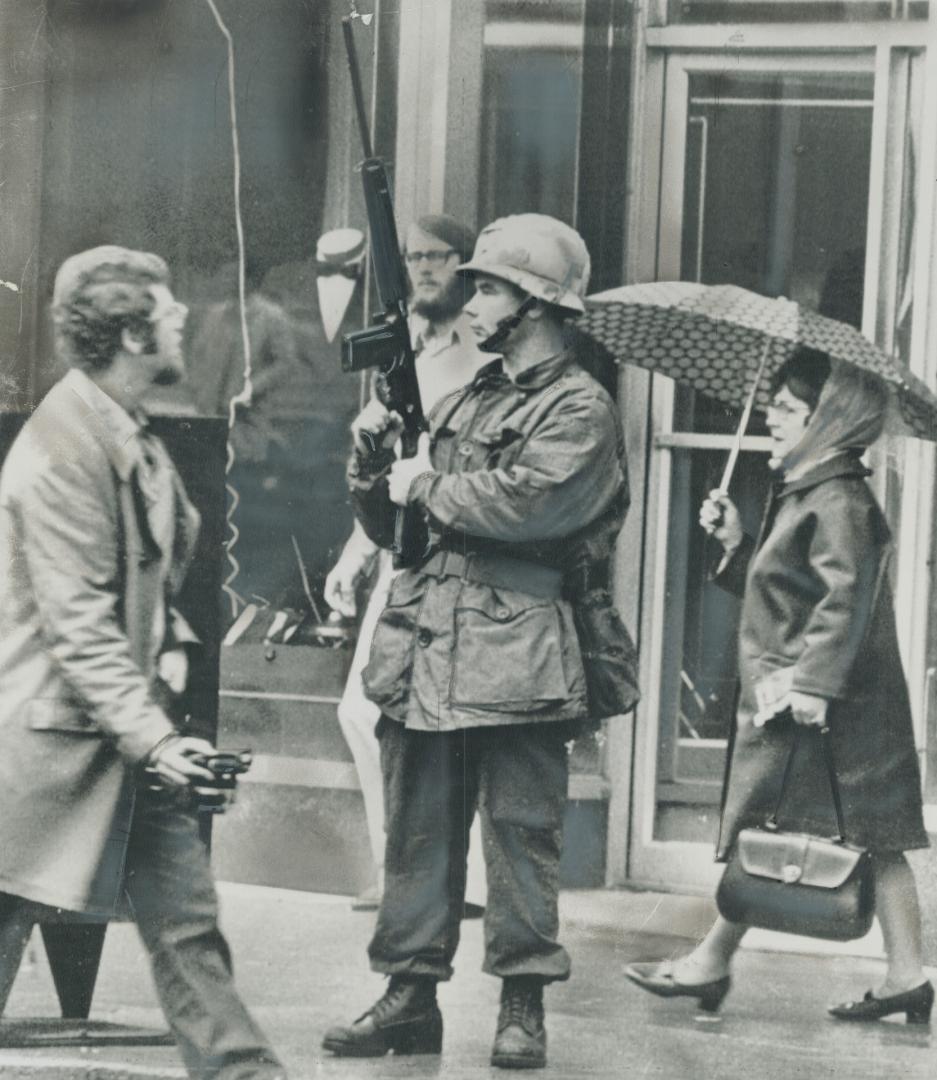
[547,969]
[413,969]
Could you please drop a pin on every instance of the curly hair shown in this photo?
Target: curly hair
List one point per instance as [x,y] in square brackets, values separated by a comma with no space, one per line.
[99,294]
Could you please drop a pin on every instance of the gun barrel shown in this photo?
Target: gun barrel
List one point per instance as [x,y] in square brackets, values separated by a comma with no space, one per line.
[356,85]
[385,247]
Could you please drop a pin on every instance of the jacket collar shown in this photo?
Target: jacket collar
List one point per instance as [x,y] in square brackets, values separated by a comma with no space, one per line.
[83,405]
[846,463]
[534,377]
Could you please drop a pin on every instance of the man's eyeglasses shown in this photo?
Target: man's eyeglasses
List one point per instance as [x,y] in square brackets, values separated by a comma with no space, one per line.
[434,258]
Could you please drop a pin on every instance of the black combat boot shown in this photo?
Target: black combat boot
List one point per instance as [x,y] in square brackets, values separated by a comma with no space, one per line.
[406,1020]
[521,1041]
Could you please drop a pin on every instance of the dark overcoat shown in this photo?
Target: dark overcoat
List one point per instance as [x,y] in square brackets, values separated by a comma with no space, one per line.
[817,599]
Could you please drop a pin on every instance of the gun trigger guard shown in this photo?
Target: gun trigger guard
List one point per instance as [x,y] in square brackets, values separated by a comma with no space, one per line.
[371,443]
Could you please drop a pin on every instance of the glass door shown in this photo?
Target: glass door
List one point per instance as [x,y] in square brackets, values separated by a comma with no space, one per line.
[764,184]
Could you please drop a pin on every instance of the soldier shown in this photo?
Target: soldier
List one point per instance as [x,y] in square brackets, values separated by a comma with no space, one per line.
[475,664]
[447,358]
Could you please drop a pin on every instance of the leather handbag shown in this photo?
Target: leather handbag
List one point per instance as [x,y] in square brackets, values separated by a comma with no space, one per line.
[799,883]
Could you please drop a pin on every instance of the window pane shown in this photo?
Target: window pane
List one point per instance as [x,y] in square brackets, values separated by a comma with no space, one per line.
[776,195]
[145,160]
[775,200]
[530,108]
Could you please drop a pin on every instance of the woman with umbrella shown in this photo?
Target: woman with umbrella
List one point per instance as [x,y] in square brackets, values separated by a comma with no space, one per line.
[818,626]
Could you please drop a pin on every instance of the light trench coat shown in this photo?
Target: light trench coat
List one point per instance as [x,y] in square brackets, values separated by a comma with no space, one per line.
[81,576]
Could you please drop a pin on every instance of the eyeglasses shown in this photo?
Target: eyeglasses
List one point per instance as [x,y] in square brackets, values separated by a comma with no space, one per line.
[434,258]
[786,411]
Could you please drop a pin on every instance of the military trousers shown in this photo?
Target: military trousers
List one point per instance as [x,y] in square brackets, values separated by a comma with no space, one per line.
[515,777]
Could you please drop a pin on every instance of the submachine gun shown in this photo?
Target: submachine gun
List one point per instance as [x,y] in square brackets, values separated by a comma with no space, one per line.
[386,344]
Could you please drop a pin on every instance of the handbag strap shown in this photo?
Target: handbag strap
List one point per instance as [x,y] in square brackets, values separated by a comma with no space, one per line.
[824,736]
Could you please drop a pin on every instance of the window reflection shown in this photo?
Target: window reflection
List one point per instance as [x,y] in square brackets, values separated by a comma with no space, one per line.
[531,106]
[147,161]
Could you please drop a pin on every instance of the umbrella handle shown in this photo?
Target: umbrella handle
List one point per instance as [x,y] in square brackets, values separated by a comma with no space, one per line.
[729,470]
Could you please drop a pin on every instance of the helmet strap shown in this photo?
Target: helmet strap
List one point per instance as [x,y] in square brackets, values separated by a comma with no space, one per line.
[507,326]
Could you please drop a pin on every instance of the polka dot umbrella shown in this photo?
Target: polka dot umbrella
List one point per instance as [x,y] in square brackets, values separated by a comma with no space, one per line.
[714,337]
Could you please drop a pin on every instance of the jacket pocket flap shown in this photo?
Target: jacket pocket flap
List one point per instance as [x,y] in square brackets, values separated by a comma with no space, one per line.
[59,714]
[498,604]
[496,437]
[405,589]
[797,858]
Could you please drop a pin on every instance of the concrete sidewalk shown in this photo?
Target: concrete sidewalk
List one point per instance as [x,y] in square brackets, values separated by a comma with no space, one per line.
[301,965]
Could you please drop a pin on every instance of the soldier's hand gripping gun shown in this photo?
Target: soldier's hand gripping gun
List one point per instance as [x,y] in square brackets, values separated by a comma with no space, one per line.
[386,344]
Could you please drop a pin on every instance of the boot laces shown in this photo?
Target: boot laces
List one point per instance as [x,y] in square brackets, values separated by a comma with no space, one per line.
[388,1003]
[521,1005]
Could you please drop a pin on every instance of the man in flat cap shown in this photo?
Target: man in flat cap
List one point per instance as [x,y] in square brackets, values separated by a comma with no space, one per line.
[96,534]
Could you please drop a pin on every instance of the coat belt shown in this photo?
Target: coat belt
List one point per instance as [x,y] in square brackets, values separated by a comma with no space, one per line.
[500,571]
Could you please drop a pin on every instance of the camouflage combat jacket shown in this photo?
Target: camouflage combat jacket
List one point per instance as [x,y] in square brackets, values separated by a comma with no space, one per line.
[481,633]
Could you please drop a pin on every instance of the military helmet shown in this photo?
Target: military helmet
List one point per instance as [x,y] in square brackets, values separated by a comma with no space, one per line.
[539,254]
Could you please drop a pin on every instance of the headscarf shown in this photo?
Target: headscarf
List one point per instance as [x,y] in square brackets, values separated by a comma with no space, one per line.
[850,415]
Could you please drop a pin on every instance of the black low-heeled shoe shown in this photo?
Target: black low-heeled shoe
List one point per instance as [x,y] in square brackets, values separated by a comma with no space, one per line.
[657,978]
[916,1005]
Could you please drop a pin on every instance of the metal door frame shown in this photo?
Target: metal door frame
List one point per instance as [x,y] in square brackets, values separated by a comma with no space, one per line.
[681,865]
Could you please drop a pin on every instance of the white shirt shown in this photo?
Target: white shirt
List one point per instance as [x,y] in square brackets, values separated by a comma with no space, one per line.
[445,361]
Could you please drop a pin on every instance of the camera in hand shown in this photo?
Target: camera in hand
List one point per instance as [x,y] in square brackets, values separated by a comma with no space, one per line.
[207,796]
[215,796]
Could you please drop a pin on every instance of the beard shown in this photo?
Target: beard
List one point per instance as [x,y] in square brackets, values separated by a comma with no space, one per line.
[171,370]
[445,306]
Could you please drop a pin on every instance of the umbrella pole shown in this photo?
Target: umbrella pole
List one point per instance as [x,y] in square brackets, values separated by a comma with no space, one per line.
[743,424]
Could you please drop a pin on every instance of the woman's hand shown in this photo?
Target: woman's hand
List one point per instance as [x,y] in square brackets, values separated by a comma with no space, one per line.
[719,518]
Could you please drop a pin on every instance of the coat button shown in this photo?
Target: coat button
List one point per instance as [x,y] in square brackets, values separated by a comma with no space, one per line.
[424,636]
[465,448]
[503,613]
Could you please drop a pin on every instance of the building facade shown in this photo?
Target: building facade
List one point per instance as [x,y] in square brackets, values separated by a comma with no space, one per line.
[781,146]
[784,145]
